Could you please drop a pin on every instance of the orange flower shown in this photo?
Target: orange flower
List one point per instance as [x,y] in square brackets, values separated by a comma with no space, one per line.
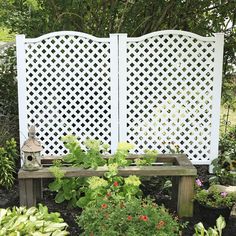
[115,184]
[161,224]
[143,217]
[104,205]
[129,218]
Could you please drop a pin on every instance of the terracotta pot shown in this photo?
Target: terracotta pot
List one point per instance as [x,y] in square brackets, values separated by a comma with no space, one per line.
[209,215]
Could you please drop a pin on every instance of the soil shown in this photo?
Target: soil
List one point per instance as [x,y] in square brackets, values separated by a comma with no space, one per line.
[10,198]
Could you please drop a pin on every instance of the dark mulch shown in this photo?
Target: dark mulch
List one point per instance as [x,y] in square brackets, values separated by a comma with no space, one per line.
[9,198]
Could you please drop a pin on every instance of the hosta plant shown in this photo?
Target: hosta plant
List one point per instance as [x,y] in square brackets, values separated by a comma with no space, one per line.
[133,217]
[31,222]
[215,231]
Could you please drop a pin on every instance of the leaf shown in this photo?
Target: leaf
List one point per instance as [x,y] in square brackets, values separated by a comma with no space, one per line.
[60,197]
[55,226]
[220,224]
[82,202]
[55,185]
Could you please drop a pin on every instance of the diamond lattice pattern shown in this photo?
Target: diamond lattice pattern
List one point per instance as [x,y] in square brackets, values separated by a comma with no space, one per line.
[68,90]
[169,94]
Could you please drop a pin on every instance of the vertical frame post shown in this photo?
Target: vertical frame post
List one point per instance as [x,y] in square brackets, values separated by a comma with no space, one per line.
[114,92]
[215,126]
[122,87]
[21,81]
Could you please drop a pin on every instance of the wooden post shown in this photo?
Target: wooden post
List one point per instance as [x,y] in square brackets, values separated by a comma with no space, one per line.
[175,191]
[27,192]
[38,189]
[185,196]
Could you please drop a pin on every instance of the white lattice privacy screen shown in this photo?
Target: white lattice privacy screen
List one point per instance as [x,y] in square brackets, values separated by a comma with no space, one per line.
[159,88]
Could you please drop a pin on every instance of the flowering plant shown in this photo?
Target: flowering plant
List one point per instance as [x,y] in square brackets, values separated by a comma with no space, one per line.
[133,217]
[213,197]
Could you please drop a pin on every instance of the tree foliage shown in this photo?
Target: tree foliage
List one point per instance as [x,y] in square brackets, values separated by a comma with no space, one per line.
[135,17]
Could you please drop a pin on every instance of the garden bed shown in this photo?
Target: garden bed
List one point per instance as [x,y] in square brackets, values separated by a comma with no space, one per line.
[149,187]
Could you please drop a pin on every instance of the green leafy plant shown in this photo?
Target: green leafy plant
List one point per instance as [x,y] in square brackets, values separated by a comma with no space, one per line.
[133,217]
[89,158]
[216,231]
[224,167]
[8,155]
[79,191]
[147,159]
[110,186]
[213,197]
[67,189]
[33,221]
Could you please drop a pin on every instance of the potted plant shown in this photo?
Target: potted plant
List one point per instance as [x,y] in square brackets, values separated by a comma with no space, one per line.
[213,203]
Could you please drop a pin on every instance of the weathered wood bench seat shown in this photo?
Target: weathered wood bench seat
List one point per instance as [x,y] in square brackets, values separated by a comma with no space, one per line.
[176,165]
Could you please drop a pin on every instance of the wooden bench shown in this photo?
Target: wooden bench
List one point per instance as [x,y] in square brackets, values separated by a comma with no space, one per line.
[175,165]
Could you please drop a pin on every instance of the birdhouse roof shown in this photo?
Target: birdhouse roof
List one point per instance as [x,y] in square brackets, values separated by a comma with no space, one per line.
[32,145]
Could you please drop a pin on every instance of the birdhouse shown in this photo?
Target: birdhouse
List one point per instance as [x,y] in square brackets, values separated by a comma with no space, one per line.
[32,152]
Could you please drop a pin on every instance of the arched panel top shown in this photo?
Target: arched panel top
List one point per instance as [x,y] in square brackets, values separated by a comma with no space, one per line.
[65,33]
[169,32]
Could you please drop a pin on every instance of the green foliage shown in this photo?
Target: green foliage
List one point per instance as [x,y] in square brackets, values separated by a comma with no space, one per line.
[147,159]
[5,36]
[33,221]
[81,191]
[120,157]
[68,189]
[8,99]
[91,158]
[214,198]
[226,162]
[132,217]
[111,186]
[216,231]
[8,156]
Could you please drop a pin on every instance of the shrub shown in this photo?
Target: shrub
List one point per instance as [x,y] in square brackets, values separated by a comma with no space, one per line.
[133,217]
[8,154]
[33,221]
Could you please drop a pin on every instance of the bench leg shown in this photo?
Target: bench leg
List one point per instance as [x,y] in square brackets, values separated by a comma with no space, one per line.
[175,190]
[27,192]
[185,196]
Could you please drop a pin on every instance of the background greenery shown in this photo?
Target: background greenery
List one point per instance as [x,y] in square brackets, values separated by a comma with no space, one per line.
[135,17]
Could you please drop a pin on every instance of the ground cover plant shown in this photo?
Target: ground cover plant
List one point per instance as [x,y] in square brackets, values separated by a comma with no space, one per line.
[33,222]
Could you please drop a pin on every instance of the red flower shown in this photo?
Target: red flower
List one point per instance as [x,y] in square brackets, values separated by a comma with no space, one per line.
[161,224]
[108,194]
[143,217]
[104,205]
[129,218]
[116,184]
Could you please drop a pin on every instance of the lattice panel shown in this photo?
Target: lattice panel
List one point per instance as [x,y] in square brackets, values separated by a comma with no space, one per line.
[169,94]
[68,90]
